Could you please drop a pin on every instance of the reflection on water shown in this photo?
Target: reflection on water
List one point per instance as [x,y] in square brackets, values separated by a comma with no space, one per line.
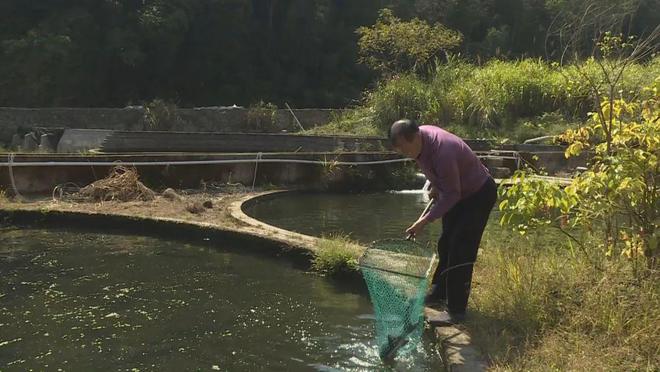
[370,217]
[82,301]
[365,217]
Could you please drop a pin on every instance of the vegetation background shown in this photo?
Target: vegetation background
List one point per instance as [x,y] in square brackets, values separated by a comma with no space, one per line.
[114,53]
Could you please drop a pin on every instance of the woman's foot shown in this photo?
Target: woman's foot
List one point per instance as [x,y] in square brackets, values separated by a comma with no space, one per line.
[445,318]
[433,299]
[435,302]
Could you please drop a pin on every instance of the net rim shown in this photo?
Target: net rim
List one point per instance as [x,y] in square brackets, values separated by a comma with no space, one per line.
[425,276]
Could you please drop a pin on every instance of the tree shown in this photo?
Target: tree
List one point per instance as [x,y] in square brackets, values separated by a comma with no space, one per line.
[392,45]
[616,200]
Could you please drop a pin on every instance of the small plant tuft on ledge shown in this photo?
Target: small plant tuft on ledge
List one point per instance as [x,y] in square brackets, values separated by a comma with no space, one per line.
[336,254]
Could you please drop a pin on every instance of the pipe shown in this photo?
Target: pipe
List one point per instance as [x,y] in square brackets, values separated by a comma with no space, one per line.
[197,162]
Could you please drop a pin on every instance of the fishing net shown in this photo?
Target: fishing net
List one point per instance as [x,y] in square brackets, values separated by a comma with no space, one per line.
[397,275]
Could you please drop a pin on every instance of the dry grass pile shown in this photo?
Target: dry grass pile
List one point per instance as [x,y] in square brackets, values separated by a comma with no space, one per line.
[122,184]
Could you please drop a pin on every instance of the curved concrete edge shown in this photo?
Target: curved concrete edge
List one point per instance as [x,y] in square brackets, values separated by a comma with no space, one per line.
[259,228]
[156,226]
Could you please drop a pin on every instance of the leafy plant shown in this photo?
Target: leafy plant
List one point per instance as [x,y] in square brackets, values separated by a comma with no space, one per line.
[161,115]
[262,116]
[393,46]
[616,199]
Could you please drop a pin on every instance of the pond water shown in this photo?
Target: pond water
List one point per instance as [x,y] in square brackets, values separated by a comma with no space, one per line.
[365,217]
[370,217]
[87,301]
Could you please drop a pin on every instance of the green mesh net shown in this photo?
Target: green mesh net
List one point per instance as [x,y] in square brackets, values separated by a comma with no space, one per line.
[397,275]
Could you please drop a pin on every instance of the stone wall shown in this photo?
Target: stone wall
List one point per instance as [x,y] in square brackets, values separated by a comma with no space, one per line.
[211,119]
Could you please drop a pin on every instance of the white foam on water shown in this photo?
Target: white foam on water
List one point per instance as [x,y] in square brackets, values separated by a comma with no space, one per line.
[406,191]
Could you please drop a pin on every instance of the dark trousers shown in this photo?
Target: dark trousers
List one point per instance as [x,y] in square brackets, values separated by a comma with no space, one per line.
[462,227]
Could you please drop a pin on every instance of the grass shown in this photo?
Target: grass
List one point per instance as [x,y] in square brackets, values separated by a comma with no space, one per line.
[519,130]
[512,100]
[3,196]
[336,254]
[538,305]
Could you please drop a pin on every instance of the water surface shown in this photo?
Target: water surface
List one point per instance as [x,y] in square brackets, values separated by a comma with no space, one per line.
[85,301]
[365,217]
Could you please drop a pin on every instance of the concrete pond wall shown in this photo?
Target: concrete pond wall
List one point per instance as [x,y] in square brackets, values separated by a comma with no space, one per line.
[206,119]
[42,179]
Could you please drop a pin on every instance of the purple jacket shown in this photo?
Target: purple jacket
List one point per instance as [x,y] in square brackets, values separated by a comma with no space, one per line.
[451,166]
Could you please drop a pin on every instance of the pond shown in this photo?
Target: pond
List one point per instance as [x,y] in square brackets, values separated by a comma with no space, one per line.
[88,301]
[364,217]
[370,217]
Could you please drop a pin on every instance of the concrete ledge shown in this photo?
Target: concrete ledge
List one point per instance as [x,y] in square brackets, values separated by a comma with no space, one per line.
[262,229]
[260,238]
[458,354]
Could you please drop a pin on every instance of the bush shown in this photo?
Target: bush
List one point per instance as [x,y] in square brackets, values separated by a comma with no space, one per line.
[404,96]
[500,92]
[616,198]
[393,45]
[160,115]
[262,116]
[336,254]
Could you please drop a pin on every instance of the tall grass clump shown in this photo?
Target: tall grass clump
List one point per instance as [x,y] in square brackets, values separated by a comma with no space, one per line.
[336,254]
[358,121]
[404,96]
[574,95]
[500,92]
[492,100]
[538,304]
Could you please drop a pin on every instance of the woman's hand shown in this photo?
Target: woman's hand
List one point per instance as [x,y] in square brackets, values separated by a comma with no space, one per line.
[416,228]
[433,193]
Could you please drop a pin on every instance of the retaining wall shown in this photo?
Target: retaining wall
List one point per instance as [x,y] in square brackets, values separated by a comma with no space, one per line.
[207,119]
[42,179]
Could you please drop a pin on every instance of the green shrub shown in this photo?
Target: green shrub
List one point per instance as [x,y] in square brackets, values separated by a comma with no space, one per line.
[392,45]
[336,254]
[160,115]
[261,116]
[404,96]
[502,91]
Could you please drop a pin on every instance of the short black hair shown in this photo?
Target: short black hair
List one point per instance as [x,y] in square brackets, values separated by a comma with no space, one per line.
[407,128]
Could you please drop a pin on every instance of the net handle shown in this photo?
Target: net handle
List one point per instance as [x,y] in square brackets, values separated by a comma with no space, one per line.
[424,212]
[428,271]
